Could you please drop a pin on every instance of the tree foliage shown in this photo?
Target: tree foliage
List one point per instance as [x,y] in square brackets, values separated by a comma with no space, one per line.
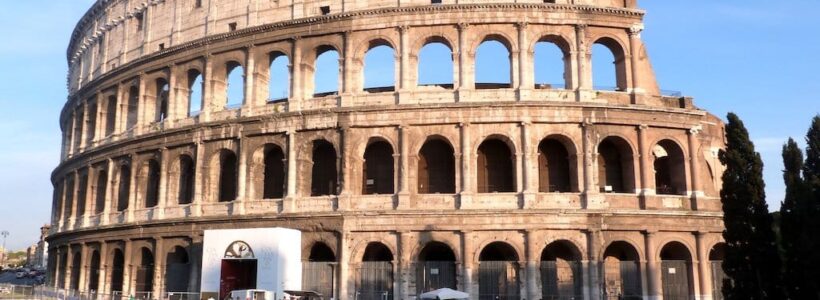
[752,260]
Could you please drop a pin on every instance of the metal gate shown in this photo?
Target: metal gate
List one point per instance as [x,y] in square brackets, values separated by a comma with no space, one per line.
[176,277]
[627,284]
[433,275]
[375,281]
[717,279]
[675,280]
[561,280]
[318,277]
[498,280]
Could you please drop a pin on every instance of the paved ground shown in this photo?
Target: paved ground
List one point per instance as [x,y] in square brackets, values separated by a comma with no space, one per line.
[11,278]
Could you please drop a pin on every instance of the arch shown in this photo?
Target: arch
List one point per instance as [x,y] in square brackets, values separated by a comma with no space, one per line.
[670,168]
[278,77]
[327,71]
[435,63]
[318,270]
[676,271]
[144,275]
[94,271]
[185,192]
[99,193]
[76,269]
[615,165]
[621,264]
[716,256]
[124,187]
[552,64]
[557,165]
[495,167]
[436,167]
[111,109]
[62,270]
[117,270]
[376,273]
[177,270]
[378,169]
[133,103]
[498,272]
[195,95]
[561,271]
[162,93]
[436,267]
[151,173]
[608,77]
[321,252]
[324,172]
[228,179]
[235,85]
[493,60]
[379,66]
[274,172]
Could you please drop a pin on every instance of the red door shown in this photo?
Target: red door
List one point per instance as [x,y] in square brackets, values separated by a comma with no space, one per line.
[237,274]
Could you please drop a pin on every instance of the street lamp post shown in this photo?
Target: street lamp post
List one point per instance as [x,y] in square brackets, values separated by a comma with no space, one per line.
[5,234]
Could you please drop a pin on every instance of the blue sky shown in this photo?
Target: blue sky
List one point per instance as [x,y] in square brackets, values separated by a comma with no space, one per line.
[756,58]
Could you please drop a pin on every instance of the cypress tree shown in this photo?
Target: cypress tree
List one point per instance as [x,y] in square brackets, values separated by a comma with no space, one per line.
[752,261]
[811,175]
[793,228]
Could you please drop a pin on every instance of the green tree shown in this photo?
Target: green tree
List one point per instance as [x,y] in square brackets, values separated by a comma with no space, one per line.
[752,261]
[795,211]
[811,246]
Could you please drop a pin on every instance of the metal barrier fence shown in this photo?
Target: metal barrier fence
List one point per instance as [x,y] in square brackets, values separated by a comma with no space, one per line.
[8,291]
[561,280]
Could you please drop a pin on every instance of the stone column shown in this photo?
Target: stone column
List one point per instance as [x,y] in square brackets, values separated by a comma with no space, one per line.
[346,283]
[207,90]
[86,119]
[242,184]
[528,164]
[296,93]
[587,129]
[75,213]
[404,167]
[704,267]
[405,69]
[348,73]
[291,194]
[531,245]
[84,269]
[199,178]
[122,108]
[141,106]
[109,193]
[172,108]
[99,125]
[525,78]
[159,269]
[467,188]
[127,286]
[69,265]
[196,262]
[405,272]
[467,254]
[594,283]
[694,167]
[102,281]
[465,81]
[634,51]
[56,276]
[250,81]
[653,268]
[647,169]
[583,73]
[132,189]
[162,202]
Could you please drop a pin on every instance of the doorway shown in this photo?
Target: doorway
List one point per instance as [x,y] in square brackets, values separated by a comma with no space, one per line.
[237,274]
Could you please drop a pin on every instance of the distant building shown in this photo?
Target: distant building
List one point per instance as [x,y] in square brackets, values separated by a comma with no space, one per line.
[41,249]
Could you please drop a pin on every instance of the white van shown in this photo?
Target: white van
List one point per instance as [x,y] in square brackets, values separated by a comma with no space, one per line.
[252,295]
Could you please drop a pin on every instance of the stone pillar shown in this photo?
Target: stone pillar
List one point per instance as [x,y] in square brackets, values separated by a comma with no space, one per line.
[75,213]
[242,184]
[694,167]
[132,190]
[404,167]
[250,82]
[405,272]
[102,281]
[109,193]
[589,161]
[533,292]
[634,51]
[165,165]
[69,265]
[348,73]
[525,80]
[653,268]
[594,265]
[647,168]
[296,92]
[127,286]
[291,194]
[56,277]
[172,108]
[405,72]
[86,119]
[159,269]
[345,174]
[207,90]
[196,262]
[467,188]
[467,254]
[122,109]
[465,82]
[528,165]
[704,268]
[142,107]
[583,72]
[346,284]
[84,269]
[99,125]
[199,178]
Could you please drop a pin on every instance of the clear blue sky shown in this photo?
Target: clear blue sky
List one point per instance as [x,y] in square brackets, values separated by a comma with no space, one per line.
[756,58]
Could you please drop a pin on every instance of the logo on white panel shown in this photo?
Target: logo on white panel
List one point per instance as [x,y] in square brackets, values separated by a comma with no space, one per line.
[239,250]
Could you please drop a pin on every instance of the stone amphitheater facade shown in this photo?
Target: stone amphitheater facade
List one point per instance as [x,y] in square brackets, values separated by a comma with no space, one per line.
[512,190]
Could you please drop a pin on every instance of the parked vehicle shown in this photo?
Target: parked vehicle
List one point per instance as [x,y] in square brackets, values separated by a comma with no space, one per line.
[21,275]
[5,290]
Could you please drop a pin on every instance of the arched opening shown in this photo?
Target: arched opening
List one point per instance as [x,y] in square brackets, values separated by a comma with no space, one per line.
[498,272]
[716,256]
[151,195]
[144,280]
[279,77]
[676,274]
[670,168]
[195,96]
[94,271]
[377,173]
[162,92]
[561,271]
[495,167]
[376,273]
[436,168]
[492,64]
[435,64]
[274,177]
[177,270]
[62,270]
[133,103]
[608,65]
[615,166]
[82,192]
[555,167]
[79,123]
[123,190]
[436,268]
[235,89]
[323,176]
[76,268]
[99,193]
[185,194]
[622,275]
[110,115]
[117,270]
[379,68]
[326,76]
[228,178]
[318,272]
[551,61]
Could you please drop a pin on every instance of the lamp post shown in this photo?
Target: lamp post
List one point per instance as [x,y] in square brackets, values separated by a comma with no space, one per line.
[5,234]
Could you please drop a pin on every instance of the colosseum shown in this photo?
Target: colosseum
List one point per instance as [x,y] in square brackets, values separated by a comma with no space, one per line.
[190,116]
